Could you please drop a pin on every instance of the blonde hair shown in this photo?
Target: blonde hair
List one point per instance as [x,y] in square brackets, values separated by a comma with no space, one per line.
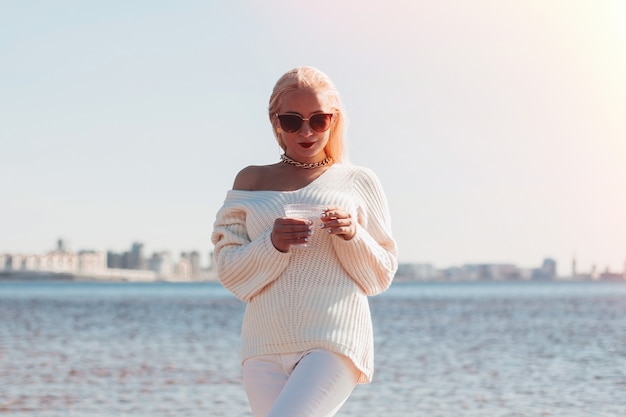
[309,77]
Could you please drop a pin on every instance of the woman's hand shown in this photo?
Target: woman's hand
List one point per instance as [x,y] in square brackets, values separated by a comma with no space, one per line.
[338,222]
[288,231]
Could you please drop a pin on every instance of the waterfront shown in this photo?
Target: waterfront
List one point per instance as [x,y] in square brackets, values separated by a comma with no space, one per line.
[162,349]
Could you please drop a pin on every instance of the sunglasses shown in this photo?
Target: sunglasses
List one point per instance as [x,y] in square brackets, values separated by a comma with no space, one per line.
[291,123]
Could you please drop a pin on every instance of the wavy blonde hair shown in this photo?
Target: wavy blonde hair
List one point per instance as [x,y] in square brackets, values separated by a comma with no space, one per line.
[309,77]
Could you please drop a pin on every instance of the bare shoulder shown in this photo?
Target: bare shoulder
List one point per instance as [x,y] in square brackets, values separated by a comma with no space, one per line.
[252,178]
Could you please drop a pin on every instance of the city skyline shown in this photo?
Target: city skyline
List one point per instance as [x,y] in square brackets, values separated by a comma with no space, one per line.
[130,265]
[496,128]
[164,265]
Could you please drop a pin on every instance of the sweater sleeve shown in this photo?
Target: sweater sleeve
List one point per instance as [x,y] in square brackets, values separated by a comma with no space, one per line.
[244,267]
[370,257]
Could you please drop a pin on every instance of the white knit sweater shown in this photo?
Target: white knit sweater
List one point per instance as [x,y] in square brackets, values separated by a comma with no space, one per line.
[314,297]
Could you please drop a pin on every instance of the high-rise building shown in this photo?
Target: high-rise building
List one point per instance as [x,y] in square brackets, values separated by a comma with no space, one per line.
[136,259]
[211,260]
[161,264]
[61,246]
[194,259]
[114,260]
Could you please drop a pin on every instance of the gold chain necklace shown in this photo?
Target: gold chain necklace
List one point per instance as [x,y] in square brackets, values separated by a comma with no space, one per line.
[287,160]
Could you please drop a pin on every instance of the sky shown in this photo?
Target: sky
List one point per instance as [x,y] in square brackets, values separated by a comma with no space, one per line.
[497,127]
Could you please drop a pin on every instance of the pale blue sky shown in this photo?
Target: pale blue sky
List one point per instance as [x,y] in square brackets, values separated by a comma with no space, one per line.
[497,127]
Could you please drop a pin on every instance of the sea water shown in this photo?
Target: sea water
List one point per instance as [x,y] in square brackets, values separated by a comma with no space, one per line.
[442,349]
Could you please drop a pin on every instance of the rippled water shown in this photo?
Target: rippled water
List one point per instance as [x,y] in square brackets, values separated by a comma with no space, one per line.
[513,349]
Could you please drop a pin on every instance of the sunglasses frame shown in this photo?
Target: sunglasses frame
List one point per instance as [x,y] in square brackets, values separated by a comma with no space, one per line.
[302,120]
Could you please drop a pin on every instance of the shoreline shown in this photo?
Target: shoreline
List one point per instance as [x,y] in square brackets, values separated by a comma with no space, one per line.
[41,276]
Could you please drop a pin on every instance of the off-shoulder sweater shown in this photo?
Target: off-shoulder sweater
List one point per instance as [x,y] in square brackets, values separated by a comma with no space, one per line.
[314,297]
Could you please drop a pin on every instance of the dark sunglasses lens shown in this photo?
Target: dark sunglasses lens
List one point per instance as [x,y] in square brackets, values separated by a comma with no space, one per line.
[320,122]
[290,122]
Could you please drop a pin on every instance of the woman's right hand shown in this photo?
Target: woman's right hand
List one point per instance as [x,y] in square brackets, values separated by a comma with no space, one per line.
[288,231]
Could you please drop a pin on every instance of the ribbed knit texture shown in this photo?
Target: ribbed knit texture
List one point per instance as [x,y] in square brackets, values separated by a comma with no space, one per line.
[314,297]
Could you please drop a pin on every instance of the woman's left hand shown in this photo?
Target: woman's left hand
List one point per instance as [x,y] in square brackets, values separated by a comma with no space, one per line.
[337,221]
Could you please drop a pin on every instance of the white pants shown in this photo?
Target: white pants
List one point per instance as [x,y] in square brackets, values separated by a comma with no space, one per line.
[315,383]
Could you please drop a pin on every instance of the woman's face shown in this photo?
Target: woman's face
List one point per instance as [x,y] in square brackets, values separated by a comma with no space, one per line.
[305,145]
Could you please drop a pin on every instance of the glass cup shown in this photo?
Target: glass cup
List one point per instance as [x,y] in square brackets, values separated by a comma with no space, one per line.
[312,212]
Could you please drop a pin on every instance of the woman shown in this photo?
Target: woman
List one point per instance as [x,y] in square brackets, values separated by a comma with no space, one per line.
[307,331]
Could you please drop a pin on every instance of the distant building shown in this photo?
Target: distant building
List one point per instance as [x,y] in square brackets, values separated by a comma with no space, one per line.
[183,269]
[136,258]
[547,271]
[8,262]
[415,272]
[62,246]
[31,262]
[92,262]
[161,264]
[56,261]
[504,272]
[210,264]
[115,260]
[483,272]
[607,275]
[133,259]
[60,262]
[194,260]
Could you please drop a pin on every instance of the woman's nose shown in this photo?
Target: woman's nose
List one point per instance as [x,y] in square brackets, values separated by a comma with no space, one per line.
[305,130]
